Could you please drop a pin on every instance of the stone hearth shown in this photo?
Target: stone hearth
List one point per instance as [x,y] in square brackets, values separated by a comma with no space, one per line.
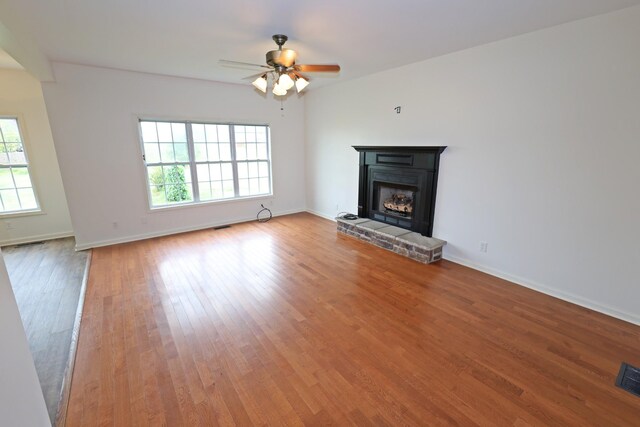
[399,240]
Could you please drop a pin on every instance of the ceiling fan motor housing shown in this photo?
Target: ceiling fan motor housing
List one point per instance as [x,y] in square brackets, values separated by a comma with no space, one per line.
[284,57]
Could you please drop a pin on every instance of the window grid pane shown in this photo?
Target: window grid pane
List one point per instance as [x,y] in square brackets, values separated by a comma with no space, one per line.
[253,178]
[217,179]
[16,187]
[251,144]
[213,152]
[225,151]
[169,163]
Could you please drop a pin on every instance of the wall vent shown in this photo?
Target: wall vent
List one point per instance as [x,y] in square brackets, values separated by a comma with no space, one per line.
[629,379]
[221,227]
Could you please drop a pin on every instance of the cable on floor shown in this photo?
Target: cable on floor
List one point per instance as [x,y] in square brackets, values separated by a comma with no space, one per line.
[262,214]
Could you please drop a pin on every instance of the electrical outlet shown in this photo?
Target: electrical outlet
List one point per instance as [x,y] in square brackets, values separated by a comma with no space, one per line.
[9,225]
[143,220]
[484,246]
[115,224]
[337,207]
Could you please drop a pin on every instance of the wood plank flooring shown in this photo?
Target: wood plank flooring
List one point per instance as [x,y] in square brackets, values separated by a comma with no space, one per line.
[46,280]
[289,323]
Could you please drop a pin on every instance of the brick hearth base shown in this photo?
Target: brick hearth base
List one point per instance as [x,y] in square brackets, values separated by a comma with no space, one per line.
[404,242]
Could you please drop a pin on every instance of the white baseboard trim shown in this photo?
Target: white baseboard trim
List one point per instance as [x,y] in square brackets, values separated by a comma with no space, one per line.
[321,215]
[38,238]
[565,296]
[144,236]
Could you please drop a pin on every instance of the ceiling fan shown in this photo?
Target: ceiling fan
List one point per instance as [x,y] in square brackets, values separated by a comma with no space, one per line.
[282,69]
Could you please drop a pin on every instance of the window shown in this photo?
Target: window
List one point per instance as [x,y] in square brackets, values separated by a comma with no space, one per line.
[16,189]
[189,162]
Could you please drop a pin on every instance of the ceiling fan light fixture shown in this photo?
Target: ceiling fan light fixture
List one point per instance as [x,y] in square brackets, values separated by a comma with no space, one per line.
[279,90]
[261,83]
[281,70]
[301,83]
[285,81]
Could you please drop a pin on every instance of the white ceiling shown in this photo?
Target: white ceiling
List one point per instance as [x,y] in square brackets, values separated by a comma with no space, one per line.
[186,38]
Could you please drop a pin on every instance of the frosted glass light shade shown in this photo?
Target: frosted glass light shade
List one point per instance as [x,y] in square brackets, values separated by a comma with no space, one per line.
[279,90]
[285,81]
[301,84]
[261,84]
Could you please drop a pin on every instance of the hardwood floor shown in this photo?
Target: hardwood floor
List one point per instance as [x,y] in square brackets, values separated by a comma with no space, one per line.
[47,280]
[288,322]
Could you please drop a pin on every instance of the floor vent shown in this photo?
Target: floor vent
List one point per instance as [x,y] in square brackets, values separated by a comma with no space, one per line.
[629,379]
[21,245]
[220,227]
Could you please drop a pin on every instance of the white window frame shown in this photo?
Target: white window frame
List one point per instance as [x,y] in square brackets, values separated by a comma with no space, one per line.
[192,163]
[27,164]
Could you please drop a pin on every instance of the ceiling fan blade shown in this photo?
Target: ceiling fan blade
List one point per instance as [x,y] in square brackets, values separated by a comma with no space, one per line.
[238,64]
[308,68]
[255,76]
[297,74]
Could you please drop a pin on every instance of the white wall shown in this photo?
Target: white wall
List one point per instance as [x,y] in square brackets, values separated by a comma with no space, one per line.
[93,113]
[21,400]
[543,134]
[21,95]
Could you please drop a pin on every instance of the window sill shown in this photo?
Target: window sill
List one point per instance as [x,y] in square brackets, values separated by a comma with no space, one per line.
[210,202]
[22,213]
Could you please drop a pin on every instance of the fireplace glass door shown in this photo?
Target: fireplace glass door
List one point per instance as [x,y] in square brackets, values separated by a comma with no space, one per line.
[394,203]
[393,200]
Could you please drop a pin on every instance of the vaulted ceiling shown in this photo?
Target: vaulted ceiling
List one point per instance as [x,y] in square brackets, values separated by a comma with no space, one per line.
[6,61]
[187,38]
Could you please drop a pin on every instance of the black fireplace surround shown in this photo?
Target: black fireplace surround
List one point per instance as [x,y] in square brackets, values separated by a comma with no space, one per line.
[411,174]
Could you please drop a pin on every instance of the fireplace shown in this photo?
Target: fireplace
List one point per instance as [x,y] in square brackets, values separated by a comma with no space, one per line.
[398,185]
[394,199]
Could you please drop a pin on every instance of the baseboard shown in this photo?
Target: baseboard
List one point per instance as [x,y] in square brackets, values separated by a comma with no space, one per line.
[321,215]
[565,296]
[38,238]
[144,236]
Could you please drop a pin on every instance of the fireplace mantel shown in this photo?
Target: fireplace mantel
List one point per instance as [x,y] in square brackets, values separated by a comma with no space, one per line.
[400,149]
[413,168]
